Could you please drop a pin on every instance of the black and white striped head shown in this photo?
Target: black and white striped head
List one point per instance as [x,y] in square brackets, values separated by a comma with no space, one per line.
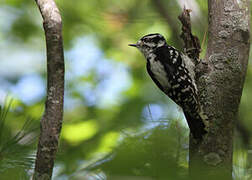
[149,42]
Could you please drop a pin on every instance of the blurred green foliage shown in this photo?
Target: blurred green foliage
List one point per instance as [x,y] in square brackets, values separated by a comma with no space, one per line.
[136,133]
[16,158]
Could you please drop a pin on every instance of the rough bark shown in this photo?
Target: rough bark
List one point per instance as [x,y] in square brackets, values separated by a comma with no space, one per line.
[50,125]
[191,43]
[220,82]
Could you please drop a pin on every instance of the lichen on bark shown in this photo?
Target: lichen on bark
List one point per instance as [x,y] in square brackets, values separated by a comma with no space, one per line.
[220,77]
[220,87]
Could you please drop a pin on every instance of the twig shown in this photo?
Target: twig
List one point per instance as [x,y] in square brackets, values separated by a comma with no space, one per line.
[204,38]
[51,121]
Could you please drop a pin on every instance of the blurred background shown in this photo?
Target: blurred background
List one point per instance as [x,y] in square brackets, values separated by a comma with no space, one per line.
[117,123]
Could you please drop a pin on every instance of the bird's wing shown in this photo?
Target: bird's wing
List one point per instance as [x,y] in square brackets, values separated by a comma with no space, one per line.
[166,57]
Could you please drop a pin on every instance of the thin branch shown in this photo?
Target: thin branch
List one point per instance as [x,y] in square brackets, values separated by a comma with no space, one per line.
[51,121]
[191,42]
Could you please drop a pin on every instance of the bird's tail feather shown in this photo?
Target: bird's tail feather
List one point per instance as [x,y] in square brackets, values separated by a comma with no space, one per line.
[196,125]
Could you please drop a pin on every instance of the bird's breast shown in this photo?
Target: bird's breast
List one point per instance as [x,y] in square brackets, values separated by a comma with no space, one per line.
[159,72]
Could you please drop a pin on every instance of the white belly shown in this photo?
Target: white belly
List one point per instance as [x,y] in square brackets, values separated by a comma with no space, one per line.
[159,73]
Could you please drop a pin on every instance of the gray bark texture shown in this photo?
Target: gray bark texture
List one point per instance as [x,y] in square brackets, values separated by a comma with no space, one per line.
[50,125]
[220,79]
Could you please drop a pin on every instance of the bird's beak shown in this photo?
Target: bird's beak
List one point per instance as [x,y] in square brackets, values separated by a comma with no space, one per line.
[133,45]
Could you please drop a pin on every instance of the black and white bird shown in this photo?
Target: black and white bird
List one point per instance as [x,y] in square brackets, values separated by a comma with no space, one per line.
[173,72]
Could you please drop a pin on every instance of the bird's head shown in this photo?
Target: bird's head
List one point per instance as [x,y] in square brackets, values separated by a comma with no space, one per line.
[149,42]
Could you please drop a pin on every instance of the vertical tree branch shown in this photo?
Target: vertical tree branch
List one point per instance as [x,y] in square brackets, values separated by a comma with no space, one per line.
[191,42]
[51,121]
[220,87]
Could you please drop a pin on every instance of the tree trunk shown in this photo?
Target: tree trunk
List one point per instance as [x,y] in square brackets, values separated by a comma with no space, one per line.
[220,82]
[51,121]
